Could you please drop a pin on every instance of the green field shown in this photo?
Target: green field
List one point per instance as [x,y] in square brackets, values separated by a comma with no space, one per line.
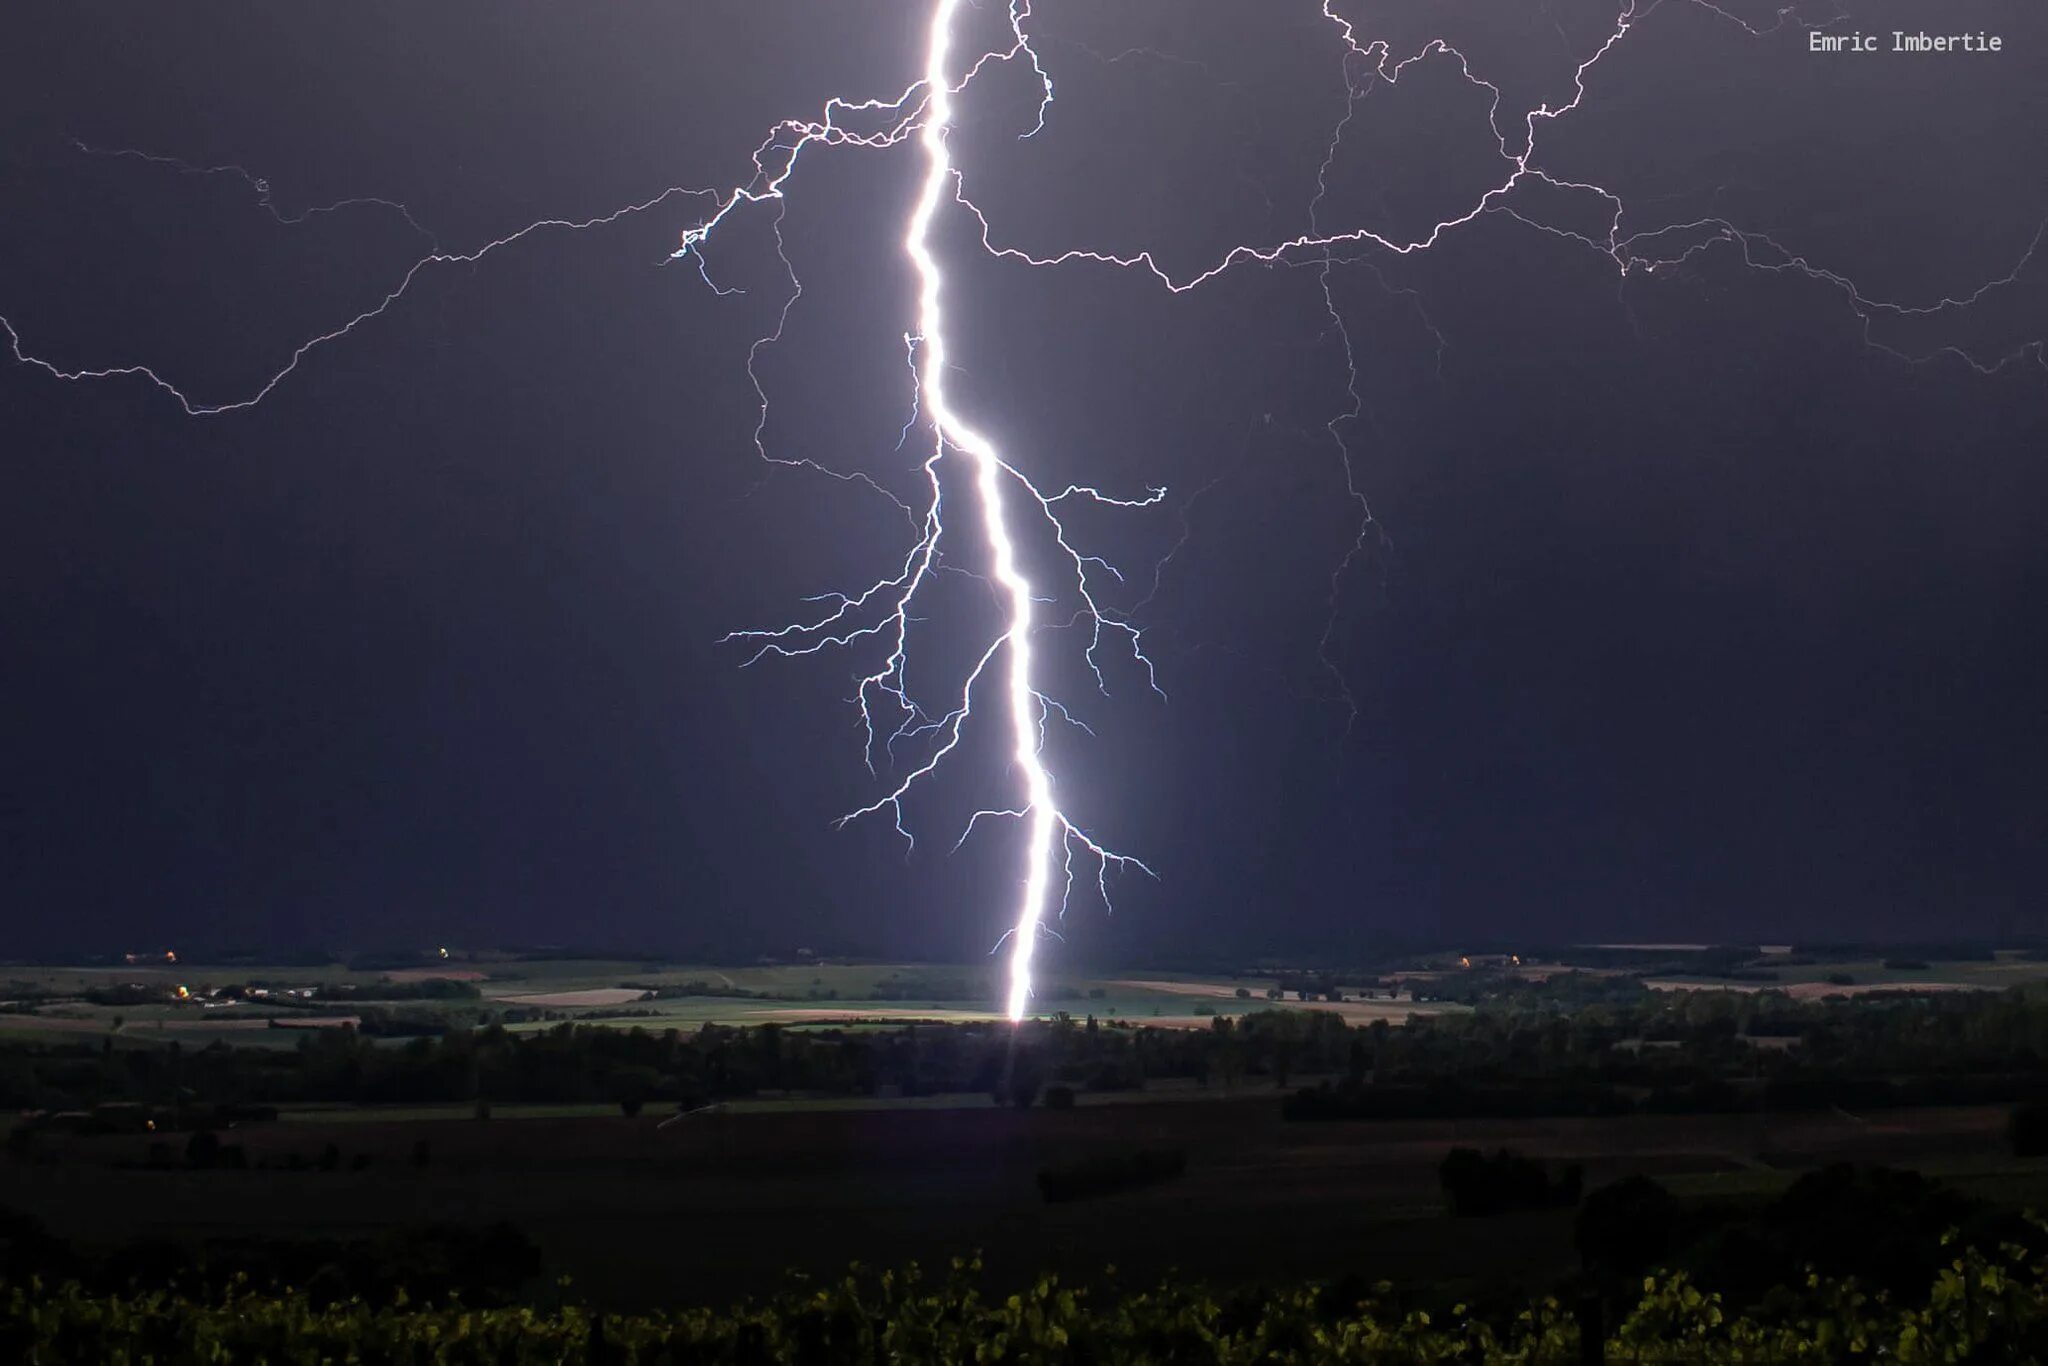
[527,995]
[2006,969]
[533,994]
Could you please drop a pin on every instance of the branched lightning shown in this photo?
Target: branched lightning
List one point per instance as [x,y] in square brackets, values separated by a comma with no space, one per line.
[995,480]
[261,188]
[194,407]
[1631,252]
[1022,524]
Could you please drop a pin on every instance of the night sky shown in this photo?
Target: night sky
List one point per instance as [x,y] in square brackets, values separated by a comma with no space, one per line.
[1691,612]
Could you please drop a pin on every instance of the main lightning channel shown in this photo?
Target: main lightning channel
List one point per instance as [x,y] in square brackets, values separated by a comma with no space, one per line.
[1041,816]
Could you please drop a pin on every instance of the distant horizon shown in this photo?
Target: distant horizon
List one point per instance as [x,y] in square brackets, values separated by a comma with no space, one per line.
[409,956]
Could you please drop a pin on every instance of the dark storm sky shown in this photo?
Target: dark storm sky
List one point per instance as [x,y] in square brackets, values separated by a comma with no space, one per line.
[1696,616]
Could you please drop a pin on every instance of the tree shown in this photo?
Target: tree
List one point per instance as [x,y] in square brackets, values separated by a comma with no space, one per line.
[1479,1185]
[1626,1228]
[633,1087]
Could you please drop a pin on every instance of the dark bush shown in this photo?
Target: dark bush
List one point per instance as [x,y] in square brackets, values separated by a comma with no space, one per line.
[328,1286]
[1882,1226]
[1627,1228]
[1480,1186]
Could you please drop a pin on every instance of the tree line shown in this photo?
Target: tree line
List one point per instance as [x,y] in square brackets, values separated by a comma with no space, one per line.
[1568,1046]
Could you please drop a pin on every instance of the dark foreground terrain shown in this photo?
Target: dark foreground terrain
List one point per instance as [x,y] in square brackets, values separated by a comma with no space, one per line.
[714,1206]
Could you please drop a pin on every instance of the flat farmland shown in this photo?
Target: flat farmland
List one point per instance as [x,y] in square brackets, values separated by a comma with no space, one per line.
[538,994]
[713,1206]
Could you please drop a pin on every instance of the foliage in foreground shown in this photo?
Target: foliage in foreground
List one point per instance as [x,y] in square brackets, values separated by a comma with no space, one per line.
[1982,1306]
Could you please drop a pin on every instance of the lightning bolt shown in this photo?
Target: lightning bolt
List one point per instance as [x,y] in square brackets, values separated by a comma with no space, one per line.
[1021,696]
[1007,670]
[1026,708]
[261,188]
